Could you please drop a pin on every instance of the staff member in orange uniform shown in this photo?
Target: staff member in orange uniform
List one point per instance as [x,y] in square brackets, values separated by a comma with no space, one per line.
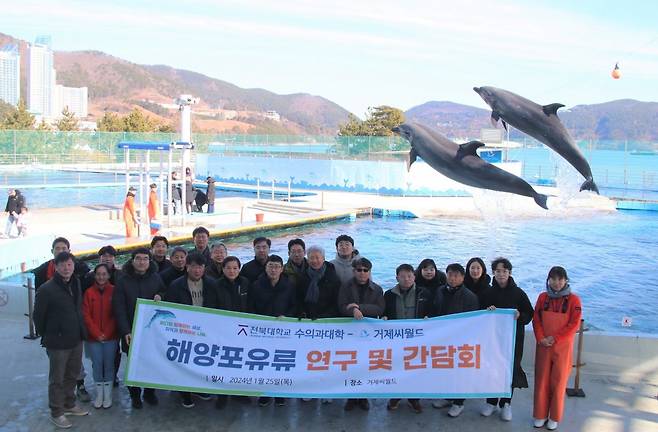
[556,320]
[129,216]
[154,209]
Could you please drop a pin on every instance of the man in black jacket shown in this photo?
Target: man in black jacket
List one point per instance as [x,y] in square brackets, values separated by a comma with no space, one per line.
[159,246]
[450,299]
[140,280]
[58,319]
[43,274]
[193,289]
[272,295]
[201,236]
[177,267]
[256,267]
[12,211]
[405,301]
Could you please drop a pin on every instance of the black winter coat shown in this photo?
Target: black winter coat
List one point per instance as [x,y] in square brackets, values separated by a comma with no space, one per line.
[58,313]
[448,301]
[512,297]
[327,304]
[131,287]
[265,299]
[171,274]
[178,292]
[234,296]
[163,265]
[41,272]
[252,270]
[213,270]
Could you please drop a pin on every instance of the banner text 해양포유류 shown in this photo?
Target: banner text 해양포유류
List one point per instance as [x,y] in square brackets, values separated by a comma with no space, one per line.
[187,348]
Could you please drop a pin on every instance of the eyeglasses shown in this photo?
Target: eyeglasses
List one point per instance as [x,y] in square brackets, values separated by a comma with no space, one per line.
[361,270]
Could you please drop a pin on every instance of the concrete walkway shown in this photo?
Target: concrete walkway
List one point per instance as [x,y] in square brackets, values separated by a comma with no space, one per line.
[614,403]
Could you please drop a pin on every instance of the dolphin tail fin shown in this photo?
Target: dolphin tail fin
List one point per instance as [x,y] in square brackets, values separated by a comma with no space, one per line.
[412,158]
[541,199]
[589,185]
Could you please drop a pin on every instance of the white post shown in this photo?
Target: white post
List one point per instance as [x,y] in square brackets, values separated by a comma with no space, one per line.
[127,153]
[272,189]
[170,179]
[183,189]
[141,189]
[258,188]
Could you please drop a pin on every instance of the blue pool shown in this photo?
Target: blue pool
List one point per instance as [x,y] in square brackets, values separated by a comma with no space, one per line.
[611,258]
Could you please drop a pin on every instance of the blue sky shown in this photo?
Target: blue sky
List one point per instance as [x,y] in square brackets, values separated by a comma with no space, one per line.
[367,53]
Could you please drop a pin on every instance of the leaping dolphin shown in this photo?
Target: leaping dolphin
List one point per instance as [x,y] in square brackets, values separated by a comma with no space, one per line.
[541,123]
[159,313]
[461,162]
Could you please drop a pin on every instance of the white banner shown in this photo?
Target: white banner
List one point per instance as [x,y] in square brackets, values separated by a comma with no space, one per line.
[187,348]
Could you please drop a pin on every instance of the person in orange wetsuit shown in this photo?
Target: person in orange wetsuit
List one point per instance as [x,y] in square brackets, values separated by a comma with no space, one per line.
[129,216]
[557,317]
[153,209]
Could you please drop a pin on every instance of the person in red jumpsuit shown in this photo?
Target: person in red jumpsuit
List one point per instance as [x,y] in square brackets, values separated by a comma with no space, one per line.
[556,320]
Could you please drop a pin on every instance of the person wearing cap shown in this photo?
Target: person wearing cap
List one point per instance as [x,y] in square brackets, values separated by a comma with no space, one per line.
[360,297]
[210,194]
[129,215]
[154,209]
[345,254]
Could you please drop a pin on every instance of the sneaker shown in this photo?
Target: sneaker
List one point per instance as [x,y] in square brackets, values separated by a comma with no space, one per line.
[264,401]
[350,404]
[203,396]
[61,422]
[393,404]
[455,410]
[441,403]
[280,401]
[186,400]
[506,412]
[364,404]
[81,393]
[75,411]
[551,425]
[415,405]
[326,401]
[221,401]
[487,409]
[136,402]
[150,398]
[539,423]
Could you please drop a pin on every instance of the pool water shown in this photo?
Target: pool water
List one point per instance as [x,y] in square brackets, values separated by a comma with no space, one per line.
[610,258]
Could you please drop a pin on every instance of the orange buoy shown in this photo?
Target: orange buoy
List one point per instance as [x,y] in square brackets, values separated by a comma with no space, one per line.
[616,73]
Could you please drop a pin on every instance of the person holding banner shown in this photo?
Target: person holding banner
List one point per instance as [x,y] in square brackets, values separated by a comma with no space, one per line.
[194,289]
[504,293]
[272,295]
[140,280]
[406,301]
[452,298]
[557,318]
[358,298]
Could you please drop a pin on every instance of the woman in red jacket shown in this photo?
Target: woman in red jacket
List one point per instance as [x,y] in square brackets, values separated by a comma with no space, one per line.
[99,319]
[556,320]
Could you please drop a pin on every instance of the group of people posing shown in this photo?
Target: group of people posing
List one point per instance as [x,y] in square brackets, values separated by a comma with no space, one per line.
[75,305]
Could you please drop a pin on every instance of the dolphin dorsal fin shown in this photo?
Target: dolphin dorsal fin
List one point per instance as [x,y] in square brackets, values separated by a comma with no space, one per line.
[469,148]
[552,108]
[412,158]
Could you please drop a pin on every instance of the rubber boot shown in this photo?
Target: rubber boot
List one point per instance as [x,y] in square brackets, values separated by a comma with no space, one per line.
[98,402]
[107,394]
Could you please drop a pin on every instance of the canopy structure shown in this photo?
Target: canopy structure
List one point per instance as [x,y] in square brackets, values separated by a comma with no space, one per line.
[164,178]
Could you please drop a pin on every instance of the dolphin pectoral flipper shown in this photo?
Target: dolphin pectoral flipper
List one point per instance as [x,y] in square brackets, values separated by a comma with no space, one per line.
[412,158]
[469,148]
[551,108]
[504,124]
[494,118]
